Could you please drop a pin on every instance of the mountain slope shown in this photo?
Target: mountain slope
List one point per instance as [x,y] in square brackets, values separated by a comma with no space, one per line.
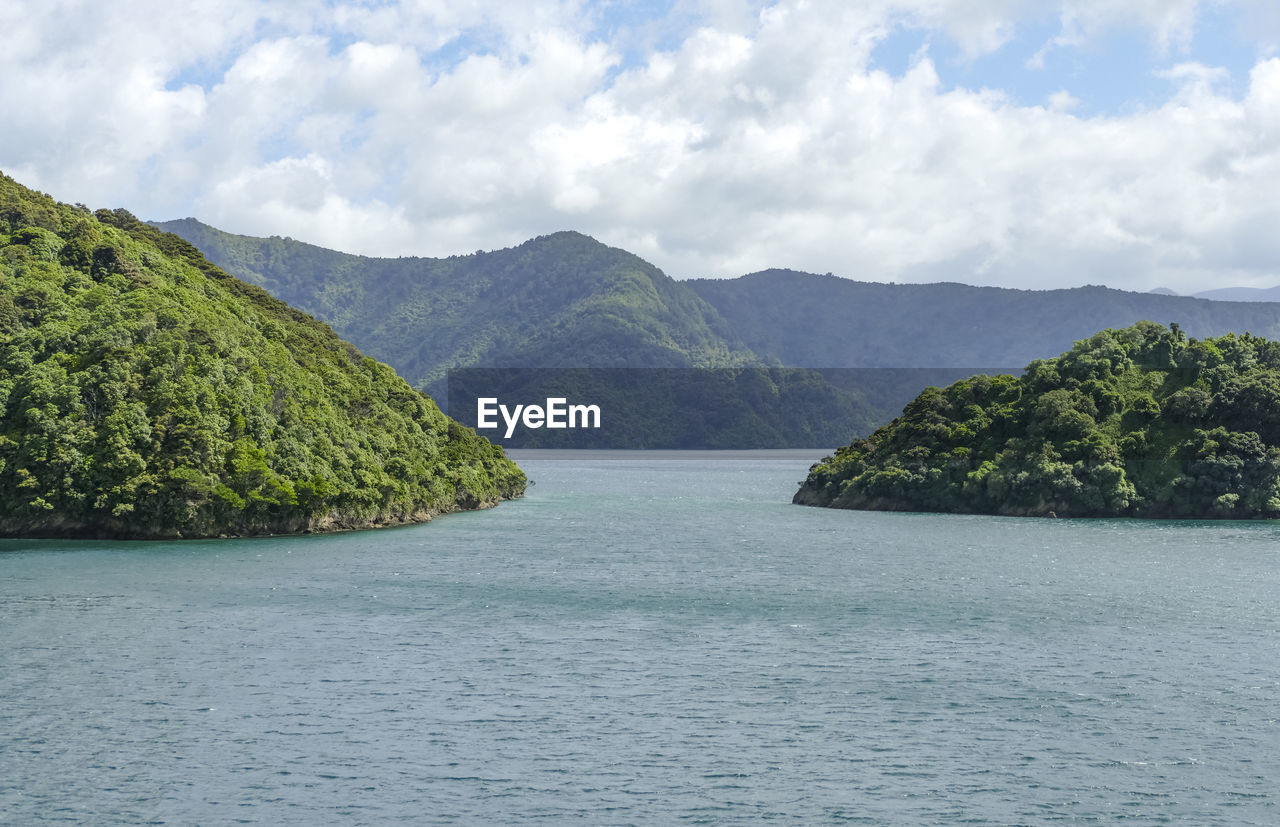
[146,393]
[562,300]
[567,301]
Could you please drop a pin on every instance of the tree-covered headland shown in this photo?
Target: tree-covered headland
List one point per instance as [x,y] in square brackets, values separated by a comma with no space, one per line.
[1141,422]
[146,393]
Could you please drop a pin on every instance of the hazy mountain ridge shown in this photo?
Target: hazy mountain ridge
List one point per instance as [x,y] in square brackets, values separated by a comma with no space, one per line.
[827,321]
[1241,294]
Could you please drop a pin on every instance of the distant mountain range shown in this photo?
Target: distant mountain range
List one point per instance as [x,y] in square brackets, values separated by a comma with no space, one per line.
[827,321]
[1231,294]
[1242,294]
[566,300]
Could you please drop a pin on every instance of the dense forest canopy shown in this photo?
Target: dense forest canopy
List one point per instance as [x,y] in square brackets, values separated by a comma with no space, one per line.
[144,392]
[1142,421]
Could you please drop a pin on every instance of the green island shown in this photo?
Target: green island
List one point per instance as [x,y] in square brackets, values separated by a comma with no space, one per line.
[1139,422]
[146,393]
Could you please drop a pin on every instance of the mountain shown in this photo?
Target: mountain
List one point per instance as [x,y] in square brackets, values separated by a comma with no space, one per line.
[145,393]
[1136,422]
[826,321]
[557,301]
[1242,294]
[566,300]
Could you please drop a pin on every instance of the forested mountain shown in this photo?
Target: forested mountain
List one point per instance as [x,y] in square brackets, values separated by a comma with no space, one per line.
[1142,421]
[146,393]
[826,321]
[563,300]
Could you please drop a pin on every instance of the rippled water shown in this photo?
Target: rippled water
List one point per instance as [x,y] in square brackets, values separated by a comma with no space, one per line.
[649,640]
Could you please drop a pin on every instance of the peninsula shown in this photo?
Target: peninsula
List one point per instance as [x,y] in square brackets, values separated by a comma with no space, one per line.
[1141,421]
[145,393]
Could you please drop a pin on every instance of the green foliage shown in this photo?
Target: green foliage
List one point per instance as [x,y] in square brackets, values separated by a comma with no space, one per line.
[146,393]
[1139,421]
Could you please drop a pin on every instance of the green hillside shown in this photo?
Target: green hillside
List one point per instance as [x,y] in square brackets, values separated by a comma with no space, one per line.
[146,393]
[567,301]
[563,300]
[558,301]
[1142,421]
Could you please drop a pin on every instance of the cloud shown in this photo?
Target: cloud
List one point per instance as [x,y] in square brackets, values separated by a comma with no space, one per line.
[1171,23]
[761,136]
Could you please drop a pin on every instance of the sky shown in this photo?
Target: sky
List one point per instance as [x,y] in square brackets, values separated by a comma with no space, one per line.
[1001,142]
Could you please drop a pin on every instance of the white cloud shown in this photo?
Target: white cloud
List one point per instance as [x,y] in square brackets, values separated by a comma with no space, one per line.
[1063,101]
[762,138]
[978,26]
[1170,22]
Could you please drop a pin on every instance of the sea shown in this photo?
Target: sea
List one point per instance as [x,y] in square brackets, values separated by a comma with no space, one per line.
[649,638]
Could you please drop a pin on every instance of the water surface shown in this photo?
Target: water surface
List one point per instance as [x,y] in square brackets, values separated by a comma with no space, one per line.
[649,639]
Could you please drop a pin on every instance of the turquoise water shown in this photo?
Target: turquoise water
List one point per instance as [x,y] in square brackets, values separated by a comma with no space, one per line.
[649,640]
